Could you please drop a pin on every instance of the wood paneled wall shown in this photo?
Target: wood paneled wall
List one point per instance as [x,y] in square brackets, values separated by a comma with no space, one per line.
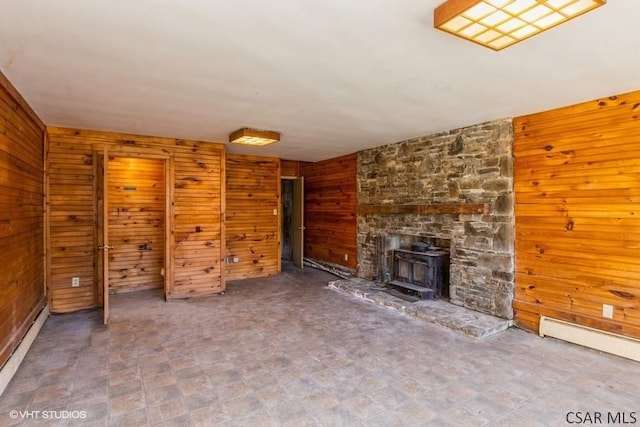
[136,224]
[196,171]
[71,223]
[253,216]
[330,206]
[21,217]
[577,184]
[290,168]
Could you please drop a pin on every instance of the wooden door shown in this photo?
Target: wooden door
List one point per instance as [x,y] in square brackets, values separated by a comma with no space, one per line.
[167,271]
[105,237]
[297,217]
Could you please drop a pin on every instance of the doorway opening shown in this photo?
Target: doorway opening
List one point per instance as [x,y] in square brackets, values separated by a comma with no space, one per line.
[292,227]
[133,219]
[136,224]
[286,226]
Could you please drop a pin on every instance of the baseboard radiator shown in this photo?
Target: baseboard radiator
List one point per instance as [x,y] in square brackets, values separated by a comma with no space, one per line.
[11,367]
[589,337]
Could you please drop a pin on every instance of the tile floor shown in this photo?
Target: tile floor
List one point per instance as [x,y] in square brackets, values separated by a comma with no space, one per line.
[288,351]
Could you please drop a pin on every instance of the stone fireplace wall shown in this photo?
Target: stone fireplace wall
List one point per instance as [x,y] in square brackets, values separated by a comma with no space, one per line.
[472,165]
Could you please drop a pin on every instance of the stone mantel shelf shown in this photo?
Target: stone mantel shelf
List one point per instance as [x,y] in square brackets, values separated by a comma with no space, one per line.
[426,209]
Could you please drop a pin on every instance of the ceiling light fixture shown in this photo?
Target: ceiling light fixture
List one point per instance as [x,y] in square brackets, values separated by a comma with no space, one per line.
[498,24]
[254,137]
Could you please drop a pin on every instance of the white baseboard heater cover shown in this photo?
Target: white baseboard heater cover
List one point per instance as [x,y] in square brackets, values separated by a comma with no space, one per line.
[589,337]
[11,367]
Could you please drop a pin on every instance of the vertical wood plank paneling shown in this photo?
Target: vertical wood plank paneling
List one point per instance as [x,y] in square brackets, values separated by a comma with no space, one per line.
[330,206]
[136,223]
[577,184]
[195,169]
[22,266]
[252,220]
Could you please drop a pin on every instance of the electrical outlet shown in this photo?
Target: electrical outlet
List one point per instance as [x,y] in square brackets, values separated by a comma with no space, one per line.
[346,257]
[607,311]
[75,282]
[275,211]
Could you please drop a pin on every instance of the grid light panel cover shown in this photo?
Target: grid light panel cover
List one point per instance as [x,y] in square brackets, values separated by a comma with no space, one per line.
[498,24]
[255,137]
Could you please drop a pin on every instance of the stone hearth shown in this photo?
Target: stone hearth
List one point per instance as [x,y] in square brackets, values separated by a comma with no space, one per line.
[439,312]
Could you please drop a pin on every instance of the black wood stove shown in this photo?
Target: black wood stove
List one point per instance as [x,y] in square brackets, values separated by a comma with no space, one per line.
[422,274]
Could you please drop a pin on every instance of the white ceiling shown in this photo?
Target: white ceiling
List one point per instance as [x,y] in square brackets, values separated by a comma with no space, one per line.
[333,76]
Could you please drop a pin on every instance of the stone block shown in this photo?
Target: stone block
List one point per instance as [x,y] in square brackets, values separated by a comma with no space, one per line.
[470,183]
[491,171]
[478,242]
[472,196]
[491,162]
[478,229]
[500,184]
[483,305]
[457,146]
[496,261]
[506,166]
[503,305]
[503,205]
[503,238]
[502,275]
